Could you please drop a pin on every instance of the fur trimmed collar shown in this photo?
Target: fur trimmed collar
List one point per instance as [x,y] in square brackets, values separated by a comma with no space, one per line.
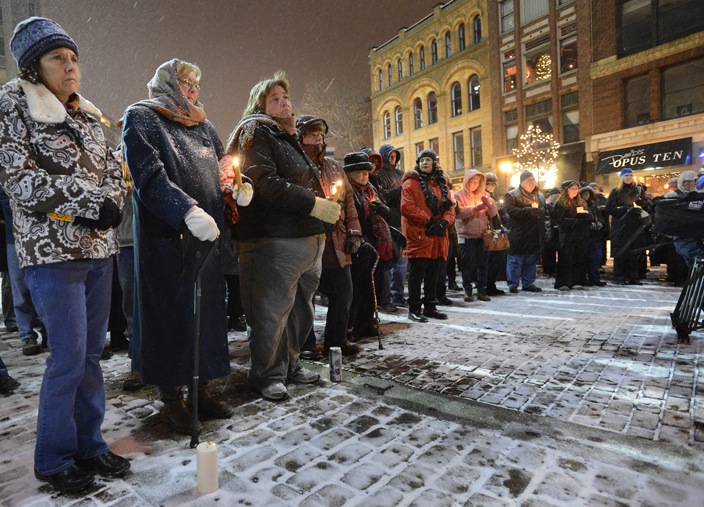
[45,107]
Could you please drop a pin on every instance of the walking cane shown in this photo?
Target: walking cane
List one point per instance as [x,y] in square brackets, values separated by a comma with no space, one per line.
[196,340]
[376,307]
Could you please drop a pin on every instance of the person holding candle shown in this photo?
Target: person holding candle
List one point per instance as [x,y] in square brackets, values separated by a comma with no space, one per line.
[66,191]
[341,241]
[573,219]
[525,206]
[427,211]
[474,209]
[282,237]
[377,246]
[173,154]
[592,275]
[627,229]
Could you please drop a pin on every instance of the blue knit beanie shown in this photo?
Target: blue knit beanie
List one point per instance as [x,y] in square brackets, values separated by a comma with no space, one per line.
[35,36]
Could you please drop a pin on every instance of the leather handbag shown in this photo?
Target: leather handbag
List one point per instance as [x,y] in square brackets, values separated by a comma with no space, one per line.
[495,239]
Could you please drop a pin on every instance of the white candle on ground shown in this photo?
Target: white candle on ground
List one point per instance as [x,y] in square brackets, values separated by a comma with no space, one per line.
[207,467]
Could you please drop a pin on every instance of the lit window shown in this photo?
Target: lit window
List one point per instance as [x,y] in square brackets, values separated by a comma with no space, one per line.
[473,89]
[568,54]
[509,76]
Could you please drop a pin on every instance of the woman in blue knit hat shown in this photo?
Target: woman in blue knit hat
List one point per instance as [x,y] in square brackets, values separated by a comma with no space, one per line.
[66,191]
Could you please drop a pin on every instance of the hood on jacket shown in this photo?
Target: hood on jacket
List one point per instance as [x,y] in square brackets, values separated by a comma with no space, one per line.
[374,158]
[589,189]
[482,181]
[386,150]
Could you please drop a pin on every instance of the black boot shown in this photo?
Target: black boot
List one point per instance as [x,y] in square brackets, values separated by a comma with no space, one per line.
[175,412]
[209,407]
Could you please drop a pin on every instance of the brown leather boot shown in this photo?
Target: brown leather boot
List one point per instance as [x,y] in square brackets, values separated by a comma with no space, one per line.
[175,412]
[209,407]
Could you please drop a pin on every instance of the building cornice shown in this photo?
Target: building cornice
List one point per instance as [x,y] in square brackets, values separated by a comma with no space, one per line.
[614,65]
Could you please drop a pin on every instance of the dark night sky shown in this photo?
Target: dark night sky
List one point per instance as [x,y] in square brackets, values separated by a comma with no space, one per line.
[236,43]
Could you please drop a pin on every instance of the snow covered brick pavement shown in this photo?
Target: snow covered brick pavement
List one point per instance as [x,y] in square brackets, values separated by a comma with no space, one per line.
[534,400]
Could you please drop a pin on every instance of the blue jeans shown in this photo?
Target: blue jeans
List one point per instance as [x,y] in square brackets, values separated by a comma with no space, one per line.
[594,260]
[521,268]
[125,273]
[398,280]
[278,278]
[73,301]
[25,314]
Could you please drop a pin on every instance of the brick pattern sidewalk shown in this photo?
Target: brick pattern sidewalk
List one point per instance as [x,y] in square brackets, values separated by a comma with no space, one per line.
[602,357]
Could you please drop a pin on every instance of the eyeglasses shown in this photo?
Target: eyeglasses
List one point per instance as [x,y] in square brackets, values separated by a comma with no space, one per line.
[189,85]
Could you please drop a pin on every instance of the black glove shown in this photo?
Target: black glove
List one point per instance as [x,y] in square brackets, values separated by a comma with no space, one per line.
[110,216]
[436,228]
[352,244]
[380,209]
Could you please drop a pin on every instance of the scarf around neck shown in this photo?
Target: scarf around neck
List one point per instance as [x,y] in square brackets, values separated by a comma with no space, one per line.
[242,136]
[167,98]
[436,208]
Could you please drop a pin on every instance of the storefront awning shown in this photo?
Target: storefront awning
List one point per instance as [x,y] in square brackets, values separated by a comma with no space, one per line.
[646,156]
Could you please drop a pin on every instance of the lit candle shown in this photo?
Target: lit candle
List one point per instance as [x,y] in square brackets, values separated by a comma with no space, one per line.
[207,467]
[580,209]
[238,174]
[335,190]
[534,205]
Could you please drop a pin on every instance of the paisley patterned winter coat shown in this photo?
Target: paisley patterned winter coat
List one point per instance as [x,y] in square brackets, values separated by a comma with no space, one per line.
[51,162]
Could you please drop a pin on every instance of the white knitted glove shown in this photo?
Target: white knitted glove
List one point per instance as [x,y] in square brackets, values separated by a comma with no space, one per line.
[201,225]
[327,211]
[245,194]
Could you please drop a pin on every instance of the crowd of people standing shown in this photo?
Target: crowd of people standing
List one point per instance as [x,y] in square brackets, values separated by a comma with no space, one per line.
[291,220]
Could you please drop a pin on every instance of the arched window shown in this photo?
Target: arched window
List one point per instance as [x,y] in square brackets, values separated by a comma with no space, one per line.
[387,125]
[398,117]
[388,73]
[422,58]
[434,52]
[456,99]
[473,91]
[432,108]
[460,37]
[410,64]
[448,45]
[381,80]
[477,29]
[399,67]
[417,113]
